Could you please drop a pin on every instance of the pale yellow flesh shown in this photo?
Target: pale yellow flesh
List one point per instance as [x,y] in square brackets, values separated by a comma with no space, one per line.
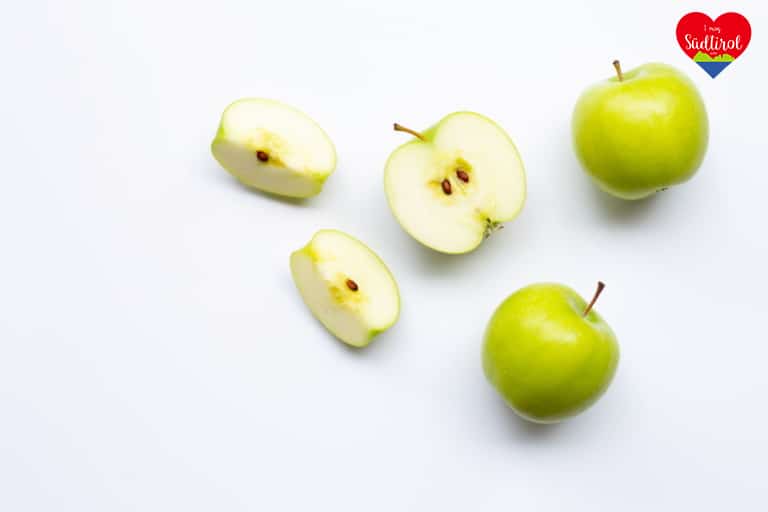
[301,156]
[458,222]
[320,271]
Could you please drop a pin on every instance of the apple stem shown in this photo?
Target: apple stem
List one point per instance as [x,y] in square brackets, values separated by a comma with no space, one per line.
[617,66]
[401,128]
[600,287]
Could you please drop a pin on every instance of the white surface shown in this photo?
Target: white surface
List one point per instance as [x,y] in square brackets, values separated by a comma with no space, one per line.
[154,354]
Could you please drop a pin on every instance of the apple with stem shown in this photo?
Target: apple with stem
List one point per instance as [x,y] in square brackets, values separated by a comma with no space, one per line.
[455,183]
[641,131]
[549,353]
[274,147]
[346,286]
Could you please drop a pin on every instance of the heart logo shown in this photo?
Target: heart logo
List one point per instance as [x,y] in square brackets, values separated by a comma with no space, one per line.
[713,45]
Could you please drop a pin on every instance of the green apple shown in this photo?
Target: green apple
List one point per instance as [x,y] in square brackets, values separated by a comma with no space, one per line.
[642,131]
[274,147]
[548,353]
[346,286]
[455,183]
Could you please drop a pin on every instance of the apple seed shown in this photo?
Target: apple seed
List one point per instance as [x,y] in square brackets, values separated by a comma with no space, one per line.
[262,156]
[446,187]
[462,175]
[352,285]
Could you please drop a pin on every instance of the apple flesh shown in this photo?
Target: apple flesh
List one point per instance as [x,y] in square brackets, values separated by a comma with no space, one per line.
[455,183]
[346,286]
[274,147]
[548,353]
[641,131]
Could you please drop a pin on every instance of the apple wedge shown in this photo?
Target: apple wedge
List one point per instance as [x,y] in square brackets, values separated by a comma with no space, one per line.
[347,287]
[456,183]
[274,147]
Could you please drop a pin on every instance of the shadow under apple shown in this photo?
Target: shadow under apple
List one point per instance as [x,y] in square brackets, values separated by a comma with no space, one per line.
[623,211]
[521,428]
[437,263]
[225,179]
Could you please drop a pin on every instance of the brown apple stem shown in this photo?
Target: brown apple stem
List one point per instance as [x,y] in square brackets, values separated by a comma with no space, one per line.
[600,287]
[617,66]
[401,128]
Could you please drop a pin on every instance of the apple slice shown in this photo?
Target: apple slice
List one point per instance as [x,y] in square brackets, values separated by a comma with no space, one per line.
[456,183]
[273,147]
[346,286]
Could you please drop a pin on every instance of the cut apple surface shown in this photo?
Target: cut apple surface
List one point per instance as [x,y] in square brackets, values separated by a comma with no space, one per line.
[346,286]
[274,147]
[456,183]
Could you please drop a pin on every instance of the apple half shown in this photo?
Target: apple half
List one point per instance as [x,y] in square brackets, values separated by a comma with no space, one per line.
[347,287]
[456,183]
[274,147]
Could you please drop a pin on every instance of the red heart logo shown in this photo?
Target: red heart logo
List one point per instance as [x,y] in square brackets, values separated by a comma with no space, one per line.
[713,45]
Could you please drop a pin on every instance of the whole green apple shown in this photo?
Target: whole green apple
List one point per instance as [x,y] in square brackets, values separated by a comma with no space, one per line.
[641,131]
[548,353]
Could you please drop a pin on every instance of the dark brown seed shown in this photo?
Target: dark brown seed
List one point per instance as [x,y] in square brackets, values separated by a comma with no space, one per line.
[352,285]
[462,175]
[446,187]
[263,156]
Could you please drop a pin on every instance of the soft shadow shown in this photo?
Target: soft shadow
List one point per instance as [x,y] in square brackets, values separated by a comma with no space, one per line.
[524,429]
[435,262]
[622,211]
[225,179]
[379,345]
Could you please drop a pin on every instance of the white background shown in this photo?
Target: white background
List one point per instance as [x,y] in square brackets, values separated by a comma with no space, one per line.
[155,355]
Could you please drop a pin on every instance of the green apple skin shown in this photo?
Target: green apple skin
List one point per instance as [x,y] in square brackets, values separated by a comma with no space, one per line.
[642,134]
[546,360]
